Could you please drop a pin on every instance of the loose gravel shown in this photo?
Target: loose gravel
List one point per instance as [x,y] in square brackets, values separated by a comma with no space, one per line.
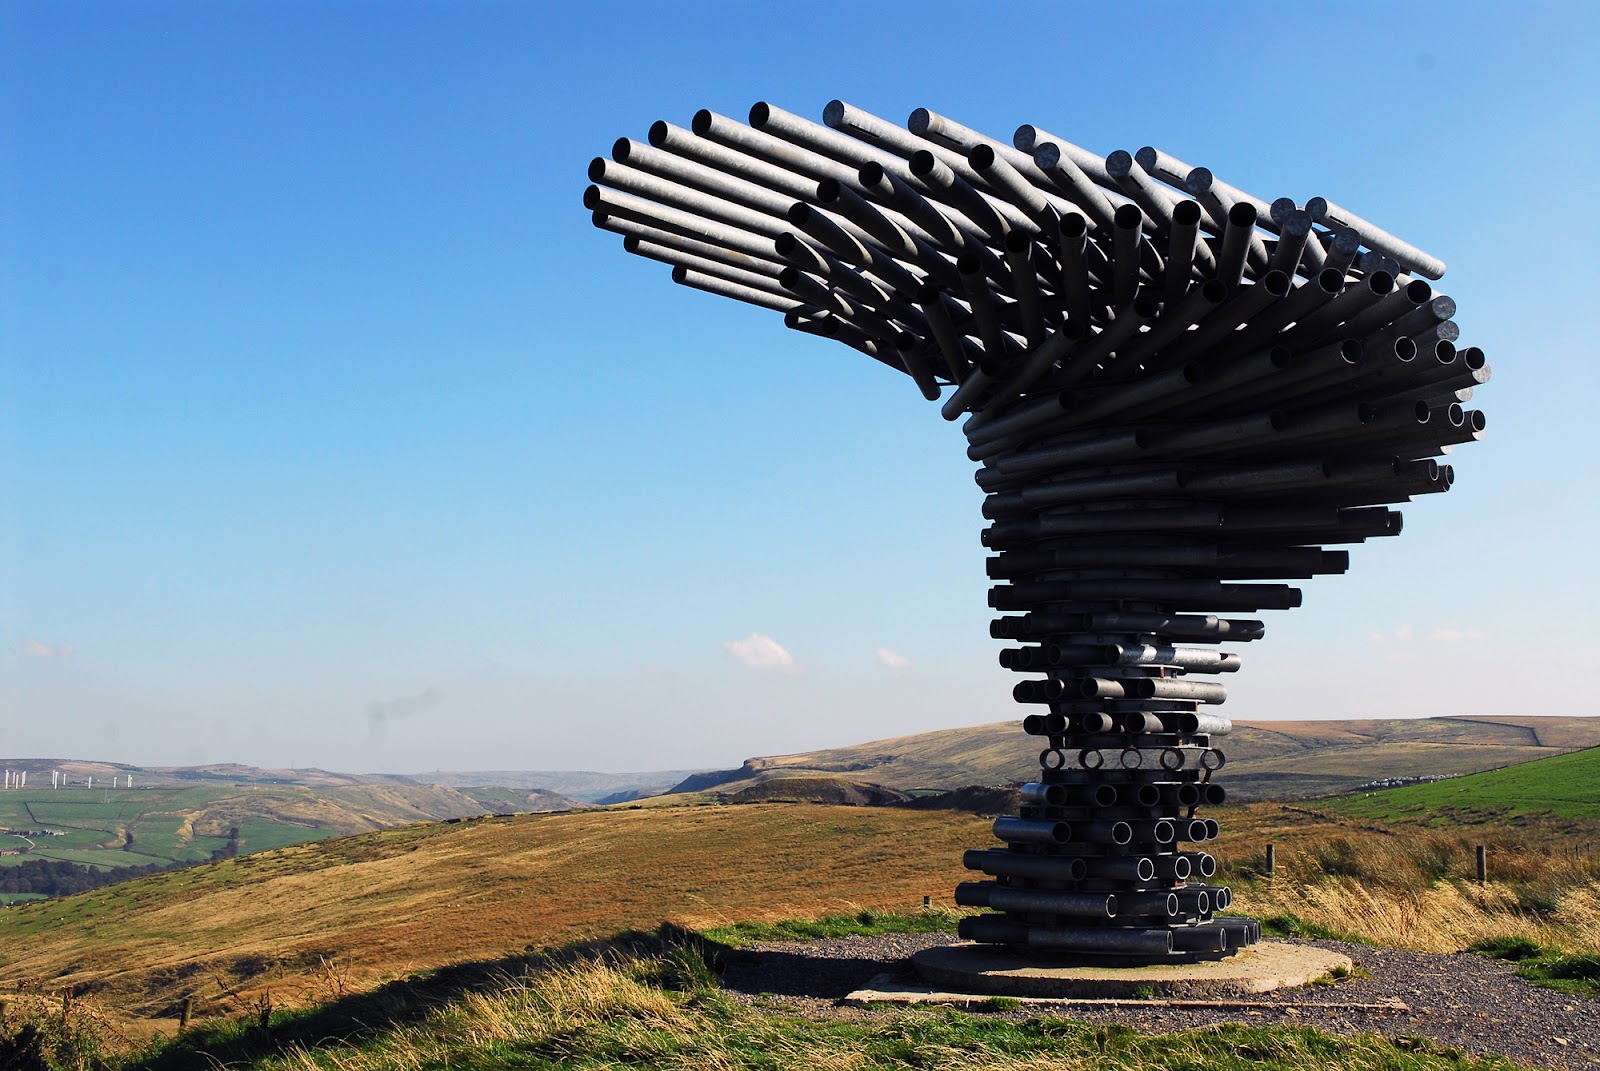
[1462,1000]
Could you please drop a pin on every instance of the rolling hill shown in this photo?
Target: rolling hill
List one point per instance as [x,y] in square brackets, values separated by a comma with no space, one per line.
[1266,759]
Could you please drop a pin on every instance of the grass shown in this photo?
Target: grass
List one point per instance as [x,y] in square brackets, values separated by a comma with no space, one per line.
[659,1008]
[1571,973]
[862,923]
[1562,786]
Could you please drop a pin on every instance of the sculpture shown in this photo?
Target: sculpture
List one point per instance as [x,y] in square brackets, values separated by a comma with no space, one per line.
[1171,386]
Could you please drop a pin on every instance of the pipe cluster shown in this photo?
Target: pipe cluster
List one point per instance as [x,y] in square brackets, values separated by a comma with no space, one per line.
[1173,388]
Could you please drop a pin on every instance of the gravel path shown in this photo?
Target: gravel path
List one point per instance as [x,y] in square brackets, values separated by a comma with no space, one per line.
[1466,1001]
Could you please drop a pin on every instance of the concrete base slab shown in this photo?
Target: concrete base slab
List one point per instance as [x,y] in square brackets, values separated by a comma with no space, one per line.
[987,970]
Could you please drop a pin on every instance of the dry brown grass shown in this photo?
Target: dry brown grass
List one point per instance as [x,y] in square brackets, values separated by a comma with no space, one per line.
[393,903]
[314,922]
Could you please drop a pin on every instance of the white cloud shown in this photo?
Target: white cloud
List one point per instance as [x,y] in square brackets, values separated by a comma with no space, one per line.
[33,648]
[1455,635]
[893,659]
[1403,634]
[762,653]
[1408,634]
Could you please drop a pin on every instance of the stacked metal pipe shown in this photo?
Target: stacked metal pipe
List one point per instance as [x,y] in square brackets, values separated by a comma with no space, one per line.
[1174,389]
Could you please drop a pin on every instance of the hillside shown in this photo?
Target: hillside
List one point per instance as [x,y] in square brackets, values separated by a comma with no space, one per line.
[360,909]
[152,824]
[1266,760]
[1563,786]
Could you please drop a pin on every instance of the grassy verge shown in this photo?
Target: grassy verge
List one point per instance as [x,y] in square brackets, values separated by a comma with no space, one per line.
[660,1008]
[1571,973]
[867,923]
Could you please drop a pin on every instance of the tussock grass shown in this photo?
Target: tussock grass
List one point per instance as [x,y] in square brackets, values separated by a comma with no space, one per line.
[661,1011]
[862,923]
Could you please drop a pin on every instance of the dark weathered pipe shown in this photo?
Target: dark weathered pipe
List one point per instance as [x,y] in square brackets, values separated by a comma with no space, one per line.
[1294,229]
[1040,901]
[630,228]
[1381,241]
[948,186]
[1074,184]
[1007,864]
[1354,300]
[1025,831]
[1181,247]
[1305,299]
[675,257]
[619,204]
[1082,360]
[1222,325]
[713,284]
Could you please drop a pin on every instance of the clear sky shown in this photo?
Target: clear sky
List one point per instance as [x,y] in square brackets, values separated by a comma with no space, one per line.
[332,433]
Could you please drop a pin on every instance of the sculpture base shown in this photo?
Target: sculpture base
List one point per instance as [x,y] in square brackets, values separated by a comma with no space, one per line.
[986,969]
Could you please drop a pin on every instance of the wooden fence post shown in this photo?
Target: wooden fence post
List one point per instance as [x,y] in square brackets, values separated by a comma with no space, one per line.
[1483,864]
[1272,861]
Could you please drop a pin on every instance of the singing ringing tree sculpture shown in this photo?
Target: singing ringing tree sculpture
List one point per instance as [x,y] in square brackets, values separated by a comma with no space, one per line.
[1172,387]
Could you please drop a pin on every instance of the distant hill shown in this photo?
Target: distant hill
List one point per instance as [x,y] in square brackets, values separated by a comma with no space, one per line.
[588,786]
[1274,760]
[1562,786]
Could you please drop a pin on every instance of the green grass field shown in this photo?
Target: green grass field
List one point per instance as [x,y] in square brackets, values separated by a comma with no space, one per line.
[1564,786]
[138,827]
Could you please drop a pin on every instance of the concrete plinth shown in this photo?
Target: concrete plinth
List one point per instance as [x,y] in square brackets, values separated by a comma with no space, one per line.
[986,969]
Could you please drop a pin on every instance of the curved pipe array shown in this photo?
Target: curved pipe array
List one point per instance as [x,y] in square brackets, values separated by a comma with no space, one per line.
[1174,390]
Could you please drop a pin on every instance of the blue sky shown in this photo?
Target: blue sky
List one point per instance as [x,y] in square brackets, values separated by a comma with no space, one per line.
[332,433]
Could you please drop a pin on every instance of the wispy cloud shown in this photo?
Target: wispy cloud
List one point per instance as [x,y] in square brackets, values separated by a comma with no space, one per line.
[1409,634]
[762,653]
[32,648]
[892,659]
[381,711]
